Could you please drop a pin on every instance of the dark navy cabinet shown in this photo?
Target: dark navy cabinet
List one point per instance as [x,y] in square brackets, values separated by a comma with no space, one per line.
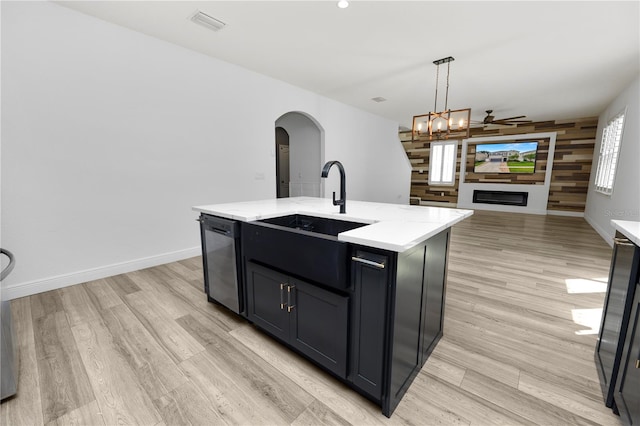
[369,316]
[310,319]
[368,325]
[398,310]
[265,300]
[616,314]
[627,395]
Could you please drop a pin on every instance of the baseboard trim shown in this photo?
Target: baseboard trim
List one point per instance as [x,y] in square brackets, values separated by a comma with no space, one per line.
[602,232]
[38,286]
[565,213]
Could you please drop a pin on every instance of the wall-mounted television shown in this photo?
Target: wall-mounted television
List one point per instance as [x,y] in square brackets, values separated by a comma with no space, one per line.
[513,157]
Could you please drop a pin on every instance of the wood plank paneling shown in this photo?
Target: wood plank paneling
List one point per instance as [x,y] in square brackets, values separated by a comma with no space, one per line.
[575,141]
[536,178]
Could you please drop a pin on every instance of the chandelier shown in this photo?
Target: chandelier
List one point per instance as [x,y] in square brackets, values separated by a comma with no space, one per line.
[446,124]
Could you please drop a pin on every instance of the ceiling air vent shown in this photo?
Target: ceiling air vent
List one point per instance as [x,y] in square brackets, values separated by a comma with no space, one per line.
[207,21]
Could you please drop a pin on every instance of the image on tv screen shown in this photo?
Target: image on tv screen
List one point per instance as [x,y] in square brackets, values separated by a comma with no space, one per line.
[514,157]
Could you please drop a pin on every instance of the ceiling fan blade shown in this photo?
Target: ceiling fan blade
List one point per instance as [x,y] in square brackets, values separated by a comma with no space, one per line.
[510,118]
[512,121]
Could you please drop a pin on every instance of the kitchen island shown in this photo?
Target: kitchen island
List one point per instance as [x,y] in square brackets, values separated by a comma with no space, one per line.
[360,294]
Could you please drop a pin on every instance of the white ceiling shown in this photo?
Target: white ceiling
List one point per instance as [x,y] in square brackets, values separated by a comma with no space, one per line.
[546,60]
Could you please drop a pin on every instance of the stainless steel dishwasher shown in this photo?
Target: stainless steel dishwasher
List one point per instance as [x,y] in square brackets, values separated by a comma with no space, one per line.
[221,261]
[8,346]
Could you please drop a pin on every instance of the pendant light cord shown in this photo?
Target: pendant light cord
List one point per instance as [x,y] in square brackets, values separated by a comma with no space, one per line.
[446,96]
[435,103]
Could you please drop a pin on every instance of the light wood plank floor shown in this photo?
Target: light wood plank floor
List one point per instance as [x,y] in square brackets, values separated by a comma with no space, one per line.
[523,308]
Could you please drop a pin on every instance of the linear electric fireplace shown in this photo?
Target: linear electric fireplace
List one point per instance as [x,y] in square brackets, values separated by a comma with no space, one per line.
[506,198]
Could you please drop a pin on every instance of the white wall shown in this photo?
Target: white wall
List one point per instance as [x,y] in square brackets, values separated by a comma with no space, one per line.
[110,136]
[624,202]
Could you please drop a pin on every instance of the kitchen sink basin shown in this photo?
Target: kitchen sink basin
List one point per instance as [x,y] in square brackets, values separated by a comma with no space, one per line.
[303,246]
[318,225]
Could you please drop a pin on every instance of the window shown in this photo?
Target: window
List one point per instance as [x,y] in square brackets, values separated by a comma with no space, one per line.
[442,163]
[609,151]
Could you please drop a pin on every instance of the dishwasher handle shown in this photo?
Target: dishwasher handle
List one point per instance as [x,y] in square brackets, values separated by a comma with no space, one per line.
[224,232]
[379,265]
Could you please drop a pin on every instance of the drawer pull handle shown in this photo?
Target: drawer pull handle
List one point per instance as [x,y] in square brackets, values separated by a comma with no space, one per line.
[282,304]
[637,363]
[289,305]
[368,262]
[622,242]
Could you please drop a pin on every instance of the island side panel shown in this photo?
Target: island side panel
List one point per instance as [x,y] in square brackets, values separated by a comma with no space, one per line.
[416,311]
[369,313]
[435,283]
[406,309]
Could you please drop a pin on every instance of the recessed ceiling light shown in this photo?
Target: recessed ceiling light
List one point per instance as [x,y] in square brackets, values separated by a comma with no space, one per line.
[343,4]
[207,21]
[378,99]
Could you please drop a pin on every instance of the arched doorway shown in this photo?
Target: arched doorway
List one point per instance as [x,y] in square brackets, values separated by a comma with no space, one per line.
[305,154]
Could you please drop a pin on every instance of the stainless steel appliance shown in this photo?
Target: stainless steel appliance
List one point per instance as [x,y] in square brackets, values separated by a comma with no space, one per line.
[8,347]
[221,261]
[623,274]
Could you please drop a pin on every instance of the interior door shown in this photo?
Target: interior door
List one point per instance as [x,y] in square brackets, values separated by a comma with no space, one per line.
[283,171]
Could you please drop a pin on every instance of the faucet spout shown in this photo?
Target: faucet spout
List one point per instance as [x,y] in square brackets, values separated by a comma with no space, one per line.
[342,202]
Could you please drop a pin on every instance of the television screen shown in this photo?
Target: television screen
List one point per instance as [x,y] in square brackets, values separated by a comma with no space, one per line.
[514,157]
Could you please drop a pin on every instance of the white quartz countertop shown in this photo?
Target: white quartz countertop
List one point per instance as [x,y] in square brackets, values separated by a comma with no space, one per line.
[630,229]
[395,227]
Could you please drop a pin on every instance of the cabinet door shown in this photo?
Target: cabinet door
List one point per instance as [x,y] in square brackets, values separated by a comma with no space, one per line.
[265,300]
[370,282]
[319,321]
[435,275]
[627,397]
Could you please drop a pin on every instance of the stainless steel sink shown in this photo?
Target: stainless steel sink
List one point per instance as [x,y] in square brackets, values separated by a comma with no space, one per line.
[302,246]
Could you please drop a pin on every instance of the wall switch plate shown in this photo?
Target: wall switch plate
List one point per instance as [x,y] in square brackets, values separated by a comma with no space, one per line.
[259,176]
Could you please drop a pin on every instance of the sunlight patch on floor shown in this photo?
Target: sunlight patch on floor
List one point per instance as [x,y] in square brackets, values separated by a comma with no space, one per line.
[589,318]
[581,285]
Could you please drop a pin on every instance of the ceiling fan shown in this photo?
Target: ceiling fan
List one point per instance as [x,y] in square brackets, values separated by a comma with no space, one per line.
[490,119]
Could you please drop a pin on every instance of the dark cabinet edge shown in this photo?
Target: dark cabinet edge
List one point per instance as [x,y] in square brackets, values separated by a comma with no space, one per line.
[608,386]
[627,362]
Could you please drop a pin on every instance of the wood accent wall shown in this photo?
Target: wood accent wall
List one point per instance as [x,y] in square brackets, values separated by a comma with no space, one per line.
[421,192]
[536,178]
[575,142]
